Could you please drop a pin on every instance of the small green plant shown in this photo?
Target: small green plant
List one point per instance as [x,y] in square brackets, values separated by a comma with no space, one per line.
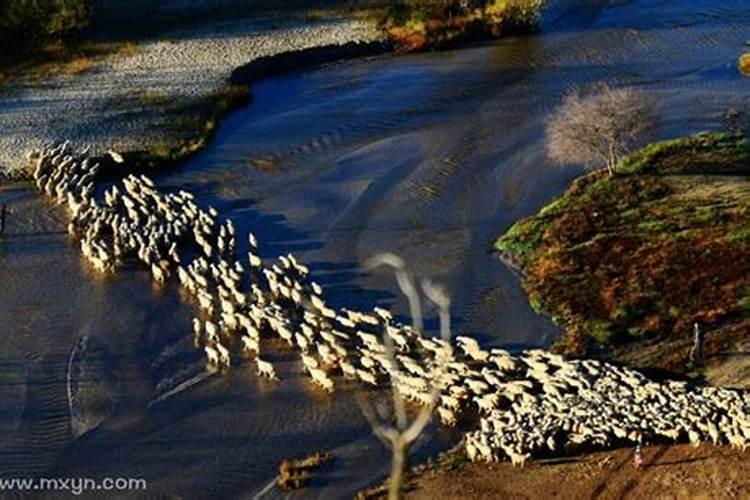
[600,330]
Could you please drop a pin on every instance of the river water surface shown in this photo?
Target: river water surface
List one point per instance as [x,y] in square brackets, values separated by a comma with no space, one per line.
[430,156]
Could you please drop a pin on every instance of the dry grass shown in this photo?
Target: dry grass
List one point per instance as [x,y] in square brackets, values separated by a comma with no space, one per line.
[128,49]
[66,60]
[76,66]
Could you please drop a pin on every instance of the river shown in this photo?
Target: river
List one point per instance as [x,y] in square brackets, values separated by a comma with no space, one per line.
[429,156]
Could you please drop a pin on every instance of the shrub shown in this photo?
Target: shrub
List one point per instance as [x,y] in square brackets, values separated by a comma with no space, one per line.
[744,64]
[26,24]
[417,24]
[600,330]
[599,127]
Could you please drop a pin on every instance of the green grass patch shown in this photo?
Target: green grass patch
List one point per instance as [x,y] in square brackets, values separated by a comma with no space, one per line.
[523,238]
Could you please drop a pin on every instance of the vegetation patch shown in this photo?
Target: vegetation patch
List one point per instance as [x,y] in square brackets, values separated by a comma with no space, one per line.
[26,26]
[744,64]
[296,474]
[190,125]
[647,252]
[426,24]
[64,59]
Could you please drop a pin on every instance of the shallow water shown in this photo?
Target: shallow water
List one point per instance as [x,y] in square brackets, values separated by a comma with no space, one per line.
[429,156]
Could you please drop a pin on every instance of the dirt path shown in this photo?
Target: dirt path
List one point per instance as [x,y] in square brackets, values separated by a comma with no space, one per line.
[680,471]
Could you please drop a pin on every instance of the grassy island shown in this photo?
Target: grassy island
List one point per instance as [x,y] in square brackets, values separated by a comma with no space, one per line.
[646,253]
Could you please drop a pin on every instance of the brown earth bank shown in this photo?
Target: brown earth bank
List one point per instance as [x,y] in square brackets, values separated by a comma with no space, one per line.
[680,471]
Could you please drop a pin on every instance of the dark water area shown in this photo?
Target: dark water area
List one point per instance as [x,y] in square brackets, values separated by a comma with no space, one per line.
[429,156]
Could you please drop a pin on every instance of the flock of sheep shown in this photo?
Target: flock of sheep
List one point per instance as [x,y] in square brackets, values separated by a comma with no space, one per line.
[549,405]
[531,404]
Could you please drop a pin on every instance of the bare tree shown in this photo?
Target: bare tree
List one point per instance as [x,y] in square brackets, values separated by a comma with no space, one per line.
[395,431]
[600,126]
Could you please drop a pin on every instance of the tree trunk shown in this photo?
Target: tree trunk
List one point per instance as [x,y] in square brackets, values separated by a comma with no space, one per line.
[398,471]
[612,159]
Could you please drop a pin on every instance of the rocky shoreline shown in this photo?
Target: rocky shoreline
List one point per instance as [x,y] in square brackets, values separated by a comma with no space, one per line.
[134,102]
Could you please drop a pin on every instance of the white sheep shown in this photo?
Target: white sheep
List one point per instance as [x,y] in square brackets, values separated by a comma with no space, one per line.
[265,369]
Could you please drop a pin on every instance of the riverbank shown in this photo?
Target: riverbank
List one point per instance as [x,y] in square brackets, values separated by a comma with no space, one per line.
[159,100]
[677,471]
[628,264]
[163,98]
[436,25]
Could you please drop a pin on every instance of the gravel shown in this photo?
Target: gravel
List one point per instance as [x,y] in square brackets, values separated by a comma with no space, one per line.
[119,104]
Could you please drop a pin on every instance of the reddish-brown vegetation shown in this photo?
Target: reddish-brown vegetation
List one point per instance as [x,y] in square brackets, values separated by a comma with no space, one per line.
[647,253]
[295,474]
[421,24]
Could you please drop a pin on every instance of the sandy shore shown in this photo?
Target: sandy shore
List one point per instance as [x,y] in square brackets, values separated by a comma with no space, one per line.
[120,103]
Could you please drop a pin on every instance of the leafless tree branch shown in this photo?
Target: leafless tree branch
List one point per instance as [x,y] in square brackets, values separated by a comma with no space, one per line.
[600,126]
[400,437]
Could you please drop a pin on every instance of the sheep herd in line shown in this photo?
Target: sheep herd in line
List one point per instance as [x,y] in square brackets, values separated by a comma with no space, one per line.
[530,404]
